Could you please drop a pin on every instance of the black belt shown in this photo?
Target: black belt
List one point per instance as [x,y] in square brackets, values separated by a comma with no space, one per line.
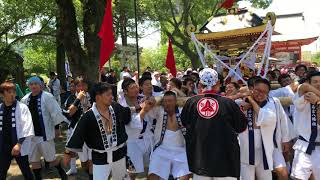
[303,139]
[102,158]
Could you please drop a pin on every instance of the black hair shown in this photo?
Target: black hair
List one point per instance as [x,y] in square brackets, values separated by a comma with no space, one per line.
[283,76]
[187,79]
[195,74]
[143,79]
[98,89]
[312,74]
[252,80]
[184,77]
[189,72]
[79,80]
[236,85]
[124,67]
[147,74]
[262,81]
[52,74]
[301,66]
[276,70]
[177,82]
[221,79]
[126,83]
[272,74]
[170,93]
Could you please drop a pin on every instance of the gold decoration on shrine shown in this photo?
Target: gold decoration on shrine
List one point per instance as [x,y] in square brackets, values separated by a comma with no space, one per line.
[271,16]
[190,29]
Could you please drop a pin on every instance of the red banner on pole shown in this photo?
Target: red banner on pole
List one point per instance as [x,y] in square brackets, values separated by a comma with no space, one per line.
[106,35]
[170,62]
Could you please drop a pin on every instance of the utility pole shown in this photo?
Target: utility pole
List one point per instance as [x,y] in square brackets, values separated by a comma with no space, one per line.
[137,37]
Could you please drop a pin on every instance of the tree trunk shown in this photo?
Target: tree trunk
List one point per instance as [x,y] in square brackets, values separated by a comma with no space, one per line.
[82,62]
[19,73]
[123,31]
[60,54]
[123,28]
[70,38]
[92,20]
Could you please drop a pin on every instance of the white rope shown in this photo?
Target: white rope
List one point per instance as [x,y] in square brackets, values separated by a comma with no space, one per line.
[265,52]
[251,48]
[202,59]
[269,41]
[196,41]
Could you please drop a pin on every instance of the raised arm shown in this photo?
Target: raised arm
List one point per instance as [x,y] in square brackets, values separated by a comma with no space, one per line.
[306,87]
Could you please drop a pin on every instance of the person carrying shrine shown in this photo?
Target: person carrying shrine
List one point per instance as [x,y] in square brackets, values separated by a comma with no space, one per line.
[306,122]
[212,125]
[169,153]
[102,129]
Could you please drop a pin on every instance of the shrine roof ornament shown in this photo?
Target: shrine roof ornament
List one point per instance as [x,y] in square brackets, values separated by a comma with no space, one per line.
[237,23]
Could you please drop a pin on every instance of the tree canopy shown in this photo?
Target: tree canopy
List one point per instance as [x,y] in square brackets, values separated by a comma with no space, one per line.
[41,32]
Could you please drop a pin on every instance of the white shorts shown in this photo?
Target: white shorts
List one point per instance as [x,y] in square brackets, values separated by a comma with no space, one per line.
[45,149]
[118,170]
[138,151]
[86,153]
[304,165]
[197,177]
[278,159]
[163,164]
[249,172]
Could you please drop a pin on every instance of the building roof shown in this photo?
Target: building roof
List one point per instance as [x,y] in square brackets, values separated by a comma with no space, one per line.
[282,43]
[231,33]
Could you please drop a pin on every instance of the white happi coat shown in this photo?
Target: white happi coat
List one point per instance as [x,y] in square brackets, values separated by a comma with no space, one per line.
[284,92]
[284,127]
[24,127]
[135,126]
[302,123]
[51,113]
[267,120]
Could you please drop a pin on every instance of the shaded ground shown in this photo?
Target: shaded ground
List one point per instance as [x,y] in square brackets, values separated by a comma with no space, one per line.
[14,172]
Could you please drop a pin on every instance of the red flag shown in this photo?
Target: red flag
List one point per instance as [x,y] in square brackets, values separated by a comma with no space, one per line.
[227,4]
[106,35]
[170,63]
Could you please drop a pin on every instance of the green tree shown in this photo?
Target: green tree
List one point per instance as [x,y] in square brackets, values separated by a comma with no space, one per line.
[174,17]
[83,51]
[15,18]
[39,56]
[156,58]
[316,58]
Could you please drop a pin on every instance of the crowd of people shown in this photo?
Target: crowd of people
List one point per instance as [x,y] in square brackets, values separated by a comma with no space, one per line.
[194,125]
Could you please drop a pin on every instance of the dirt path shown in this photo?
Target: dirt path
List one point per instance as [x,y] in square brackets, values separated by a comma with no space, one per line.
[14,172]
